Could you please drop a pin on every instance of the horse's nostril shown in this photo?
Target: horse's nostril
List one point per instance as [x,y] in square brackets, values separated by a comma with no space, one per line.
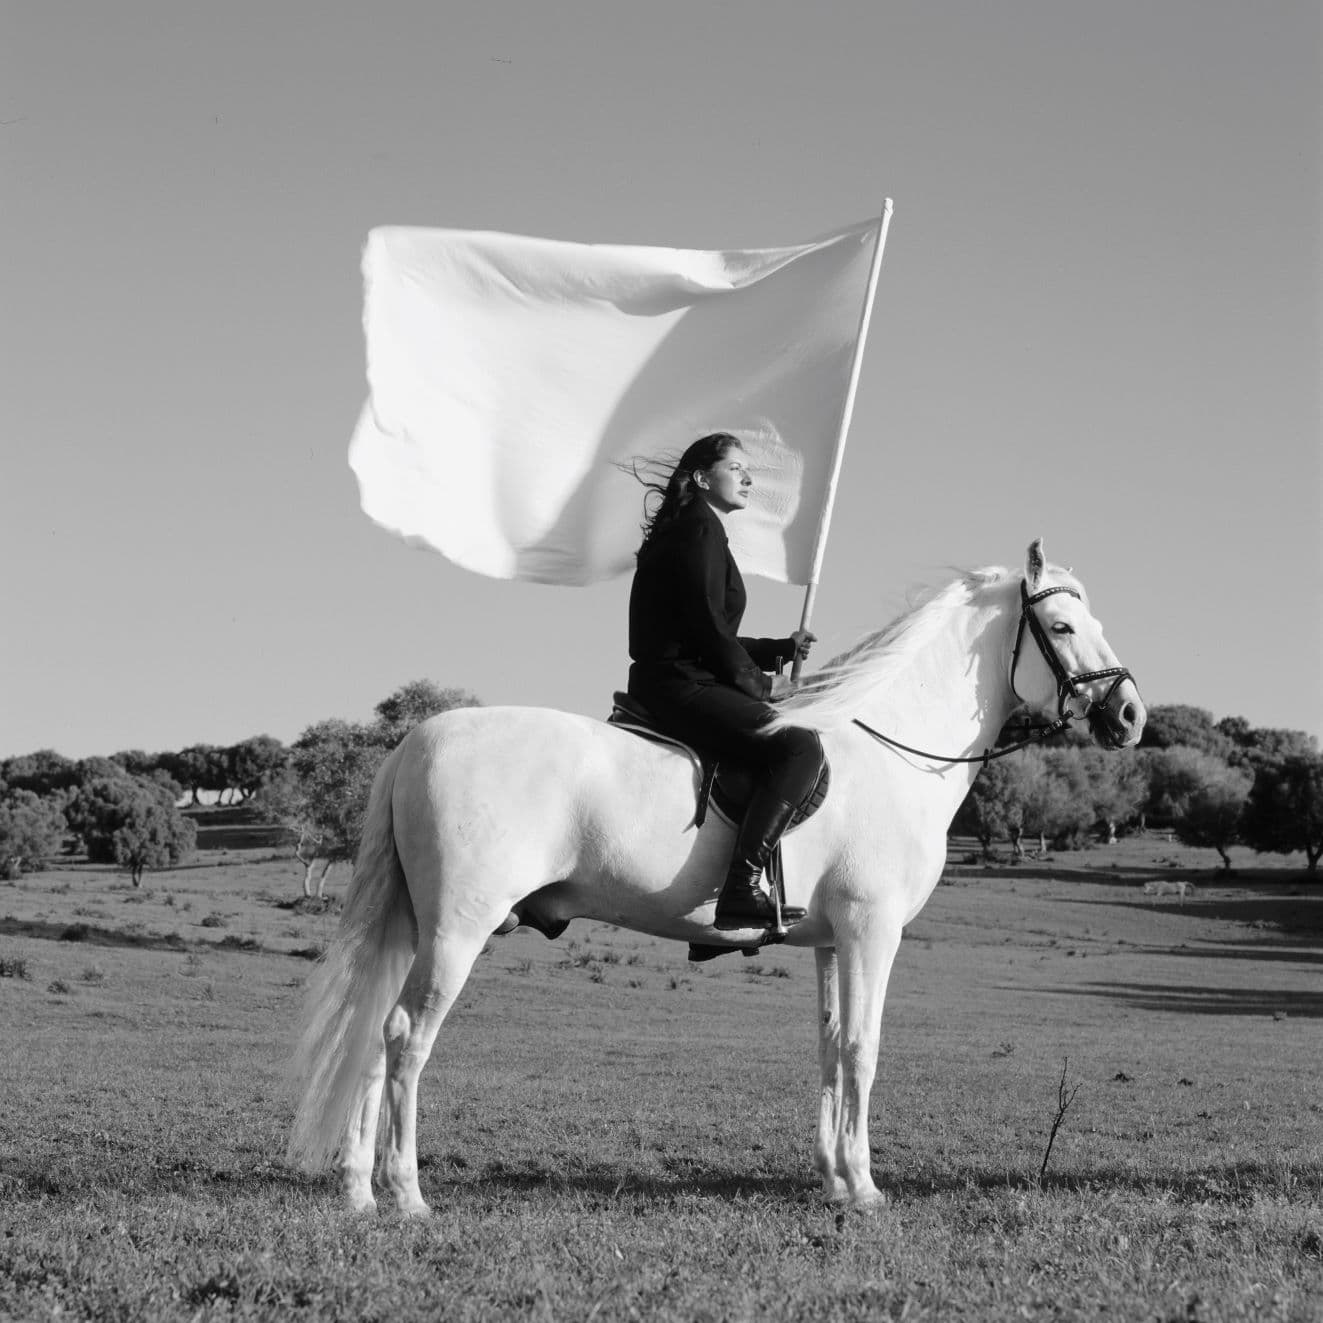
[1128,714]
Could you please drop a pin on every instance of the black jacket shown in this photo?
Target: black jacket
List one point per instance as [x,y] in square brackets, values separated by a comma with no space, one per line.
[686,605]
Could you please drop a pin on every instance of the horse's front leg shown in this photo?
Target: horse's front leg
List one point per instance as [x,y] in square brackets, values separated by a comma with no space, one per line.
[834,1187]
[865,958]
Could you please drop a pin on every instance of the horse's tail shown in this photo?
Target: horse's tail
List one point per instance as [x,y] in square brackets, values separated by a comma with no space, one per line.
[353,988]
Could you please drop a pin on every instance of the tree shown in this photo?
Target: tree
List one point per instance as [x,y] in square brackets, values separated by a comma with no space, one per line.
[1284,811]
[321,797]
[1171,724]
[130,821]
[1102,789]
[152,834]
[411,703]
[1059,806]
[137,762]
[1264,744]
[1211,815]
[253,761]
[31,829]
[42,772]
[191,767]
[1174,775]
[994,808]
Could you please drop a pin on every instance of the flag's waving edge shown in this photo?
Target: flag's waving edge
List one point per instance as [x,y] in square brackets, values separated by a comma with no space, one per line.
[513,382]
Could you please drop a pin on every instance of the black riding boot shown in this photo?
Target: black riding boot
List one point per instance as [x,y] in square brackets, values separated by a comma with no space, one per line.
[741,903]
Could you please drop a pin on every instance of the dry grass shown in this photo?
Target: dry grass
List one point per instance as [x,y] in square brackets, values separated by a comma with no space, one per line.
[608,1132]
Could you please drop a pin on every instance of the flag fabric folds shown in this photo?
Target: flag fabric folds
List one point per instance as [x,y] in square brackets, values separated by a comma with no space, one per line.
[514,382]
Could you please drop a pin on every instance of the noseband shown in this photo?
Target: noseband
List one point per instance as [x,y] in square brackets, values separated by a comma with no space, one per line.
[1068,686]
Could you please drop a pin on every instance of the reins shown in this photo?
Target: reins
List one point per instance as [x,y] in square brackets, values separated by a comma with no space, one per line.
[1067,687]
[1038,733]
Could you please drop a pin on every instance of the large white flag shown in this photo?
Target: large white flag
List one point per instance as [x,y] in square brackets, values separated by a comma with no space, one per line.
[513,382]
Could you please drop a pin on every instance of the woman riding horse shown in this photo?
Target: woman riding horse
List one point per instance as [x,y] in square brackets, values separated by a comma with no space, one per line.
[703,683]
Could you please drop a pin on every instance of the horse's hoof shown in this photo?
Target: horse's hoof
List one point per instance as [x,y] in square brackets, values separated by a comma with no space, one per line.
[507,925]
[867,1201]
[414,1210]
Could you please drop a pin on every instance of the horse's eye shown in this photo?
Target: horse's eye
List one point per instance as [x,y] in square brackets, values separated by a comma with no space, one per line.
[1062,628]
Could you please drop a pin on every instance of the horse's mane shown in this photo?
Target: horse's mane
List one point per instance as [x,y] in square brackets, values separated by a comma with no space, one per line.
[836,694]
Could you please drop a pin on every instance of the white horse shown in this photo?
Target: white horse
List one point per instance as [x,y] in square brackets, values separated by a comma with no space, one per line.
[485,816]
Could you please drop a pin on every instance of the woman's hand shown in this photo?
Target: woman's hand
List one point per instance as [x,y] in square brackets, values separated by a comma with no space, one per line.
[782,687]
[803,639]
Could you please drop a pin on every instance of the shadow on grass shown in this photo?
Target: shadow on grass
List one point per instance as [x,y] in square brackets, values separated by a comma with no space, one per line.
[91,934]
[1229,1182]
[1291,910]
[1190,999]
[444,1180]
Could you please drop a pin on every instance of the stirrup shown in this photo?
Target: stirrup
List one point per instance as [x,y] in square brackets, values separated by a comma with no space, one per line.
[778,922]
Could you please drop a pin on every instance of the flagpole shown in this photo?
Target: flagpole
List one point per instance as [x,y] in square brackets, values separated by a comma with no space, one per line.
[824,522]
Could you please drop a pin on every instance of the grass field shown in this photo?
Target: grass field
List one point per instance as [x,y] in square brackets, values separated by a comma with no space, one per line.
[608,1132]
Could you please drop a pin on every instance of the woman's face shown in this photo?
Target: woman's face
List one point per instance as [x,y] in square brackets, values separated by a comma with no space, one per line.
[726,484]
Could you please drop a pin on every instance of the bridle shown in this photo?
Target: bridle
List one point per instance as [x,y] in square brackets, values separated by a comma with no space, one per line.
[1068,686]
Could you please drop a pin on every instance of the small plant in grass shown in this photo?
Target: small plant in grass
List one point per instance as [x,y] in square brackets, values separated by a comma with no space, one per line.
[58,987]
[93,974]
[1064,1099]
[14,969]
[212,921]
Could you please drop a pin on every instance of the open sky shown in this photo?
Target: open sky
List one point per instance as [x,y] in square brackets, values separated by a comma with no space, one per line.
[1098,321]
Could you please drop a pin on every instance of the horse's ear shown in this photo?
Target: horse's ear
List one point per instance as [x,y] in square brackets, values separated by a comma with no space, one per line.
[1034,564]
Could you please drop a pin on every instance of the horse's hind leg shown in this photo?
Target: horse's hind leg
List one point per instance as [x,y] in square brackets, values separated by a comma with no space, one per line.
[440,969]
[361,1142]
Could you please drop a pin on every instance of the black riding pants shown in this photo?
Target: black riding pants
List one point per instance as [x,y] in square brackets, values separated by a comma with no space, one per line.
[719,718]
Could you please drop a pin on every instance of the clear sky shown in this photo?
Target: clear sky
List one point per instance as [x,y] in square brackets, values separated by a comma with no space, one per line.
[1098,321]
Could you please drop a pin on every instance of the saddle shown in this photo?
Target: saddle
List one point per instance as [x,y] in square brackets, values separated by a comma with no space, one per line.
[726,787]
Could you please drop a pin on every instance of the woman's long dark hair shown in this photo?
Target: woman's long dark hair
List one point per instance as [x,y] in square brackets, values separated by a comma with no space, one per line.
[679,490]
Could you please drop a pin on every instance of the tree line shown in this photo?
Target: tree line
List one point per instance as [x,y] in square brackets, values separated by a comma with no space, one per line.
[125,809]
[1212,783]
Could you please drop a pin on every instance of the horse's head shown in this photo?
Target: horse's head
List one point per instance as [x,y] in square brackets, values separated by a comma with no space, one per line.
[1061,665]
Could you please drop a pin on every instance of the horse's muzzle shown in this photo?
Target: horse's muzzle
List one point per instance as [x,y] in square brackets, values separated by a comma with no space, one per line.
[1119,722]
